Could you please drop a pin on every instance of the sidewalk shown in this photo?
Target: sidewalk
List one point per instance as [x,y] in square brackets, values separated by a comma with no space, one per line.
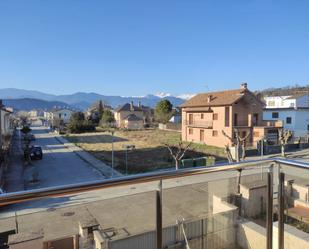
[14,177]
[90,159]
[297,155]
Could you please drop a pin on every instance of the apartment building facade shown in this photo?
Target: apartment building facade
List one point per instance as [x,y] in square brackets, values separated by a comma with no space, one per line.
[292,110]
[206,116]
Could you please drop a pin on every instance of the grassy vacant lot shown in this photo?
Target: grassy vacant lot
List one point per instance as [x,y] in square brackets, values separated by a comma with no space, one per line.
[149,154]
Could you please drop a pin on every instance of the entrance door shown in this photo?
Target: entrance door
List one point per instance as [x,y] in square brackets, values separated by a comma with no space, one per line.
[202,135]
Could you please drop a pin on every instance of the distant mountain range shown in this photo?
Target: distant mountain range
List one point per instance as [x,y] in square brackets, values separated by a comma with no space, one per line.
[28,104]
[27,99]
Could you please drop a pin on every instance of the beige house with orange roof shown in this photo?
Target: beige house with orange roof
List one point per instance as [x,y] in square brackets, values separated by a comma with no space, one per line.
[206,115]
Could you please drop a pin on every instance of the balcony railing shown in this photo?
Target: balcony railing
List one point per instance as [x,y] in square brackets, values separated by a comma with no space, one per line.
[227,206]
[273,123]
[208,124]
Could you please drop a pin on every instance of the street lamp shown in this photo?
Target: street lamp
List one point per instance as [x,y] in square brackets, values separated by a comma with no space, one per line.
[112,132]
[128,147]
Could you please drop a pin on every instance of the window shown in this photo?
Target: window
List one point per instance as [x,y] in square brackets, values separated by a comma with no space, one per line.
[227,116]
[275,115]
[235,119]
[215,116]
[202,115]
[289,120]
[190,131]
[214,133]
[202,135]
[255,118]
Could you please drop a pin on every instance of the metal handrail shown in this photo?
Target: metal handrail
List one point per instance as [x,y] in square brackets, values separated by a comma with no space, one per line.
[159,176]
[22,196]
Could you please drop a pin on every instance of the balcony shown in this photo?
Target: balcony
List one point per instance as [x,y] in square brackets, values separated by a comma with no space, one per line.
[215,207]
[273,123]
[208,124]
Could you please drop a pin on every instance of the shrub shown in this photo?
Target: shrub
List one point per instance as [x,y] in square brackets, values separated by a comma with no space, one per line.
[81,126]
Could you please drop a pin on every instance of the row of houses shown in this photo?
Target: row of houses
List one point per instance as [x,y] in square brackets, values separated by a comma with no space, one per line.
[128,116]
[206,116]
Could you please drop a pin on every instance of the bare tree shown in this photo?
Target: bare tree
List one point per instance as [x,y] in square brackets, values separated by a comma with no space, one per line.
[284,137]
[228,154]
[178,152]
[240,145]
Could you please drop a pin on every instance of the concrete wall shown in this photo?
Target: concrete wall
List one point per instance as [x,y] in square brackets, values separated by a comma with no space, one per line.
[253,201]
[253,236]
[170,126]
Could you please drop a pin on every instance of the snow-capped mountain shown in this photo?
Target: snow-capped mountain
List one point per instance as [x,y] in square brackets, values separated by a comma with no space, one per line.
[181,96]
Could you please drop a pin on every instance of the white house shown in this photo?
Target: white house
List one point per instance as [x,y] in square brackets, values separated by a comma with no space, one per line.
[63,114]
[293,111]
[58,117]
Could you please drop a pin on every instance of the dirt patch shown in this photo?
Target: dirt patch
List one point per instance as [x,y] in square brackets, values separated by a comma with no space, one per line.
[149,153]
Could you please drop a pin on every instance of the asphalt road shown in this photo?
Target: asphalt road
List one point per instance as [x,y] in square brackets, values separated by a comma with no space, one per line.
[59,166]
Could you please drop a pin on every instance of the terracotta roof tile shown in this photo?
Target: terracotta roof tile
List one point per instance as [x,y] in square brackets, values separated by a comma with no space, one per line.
[221,98]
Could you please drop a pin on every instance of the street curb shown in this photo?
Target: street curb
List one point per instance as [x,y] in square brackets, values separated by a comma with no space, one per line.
[102,168]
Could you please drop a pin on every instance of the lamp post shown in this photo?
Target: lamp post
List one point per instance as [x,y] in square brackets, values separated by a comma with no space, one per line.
[128,147]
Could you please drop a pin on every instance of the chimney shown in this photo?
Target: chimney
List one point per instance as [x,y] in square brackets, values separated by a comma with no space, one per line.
[209,97]
[244,85]
[131,106]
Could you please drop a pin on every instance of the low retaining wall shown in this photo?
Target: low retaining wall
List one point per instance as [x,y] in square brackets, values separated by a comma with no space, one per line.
[276,149]
[253,236]
[170,126]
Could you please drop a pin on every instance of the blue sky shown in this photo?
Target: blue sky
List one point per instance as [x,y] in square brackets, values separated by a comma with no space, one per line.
[140,47]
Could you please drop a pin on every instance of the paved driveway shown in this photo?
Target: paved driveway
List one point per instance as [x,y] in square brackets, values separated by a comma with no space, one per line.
[60,166]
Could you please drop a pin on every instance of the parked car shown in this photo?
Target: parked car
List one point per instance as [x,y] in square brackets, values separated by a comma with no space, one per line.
[32,137]
[36,152]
